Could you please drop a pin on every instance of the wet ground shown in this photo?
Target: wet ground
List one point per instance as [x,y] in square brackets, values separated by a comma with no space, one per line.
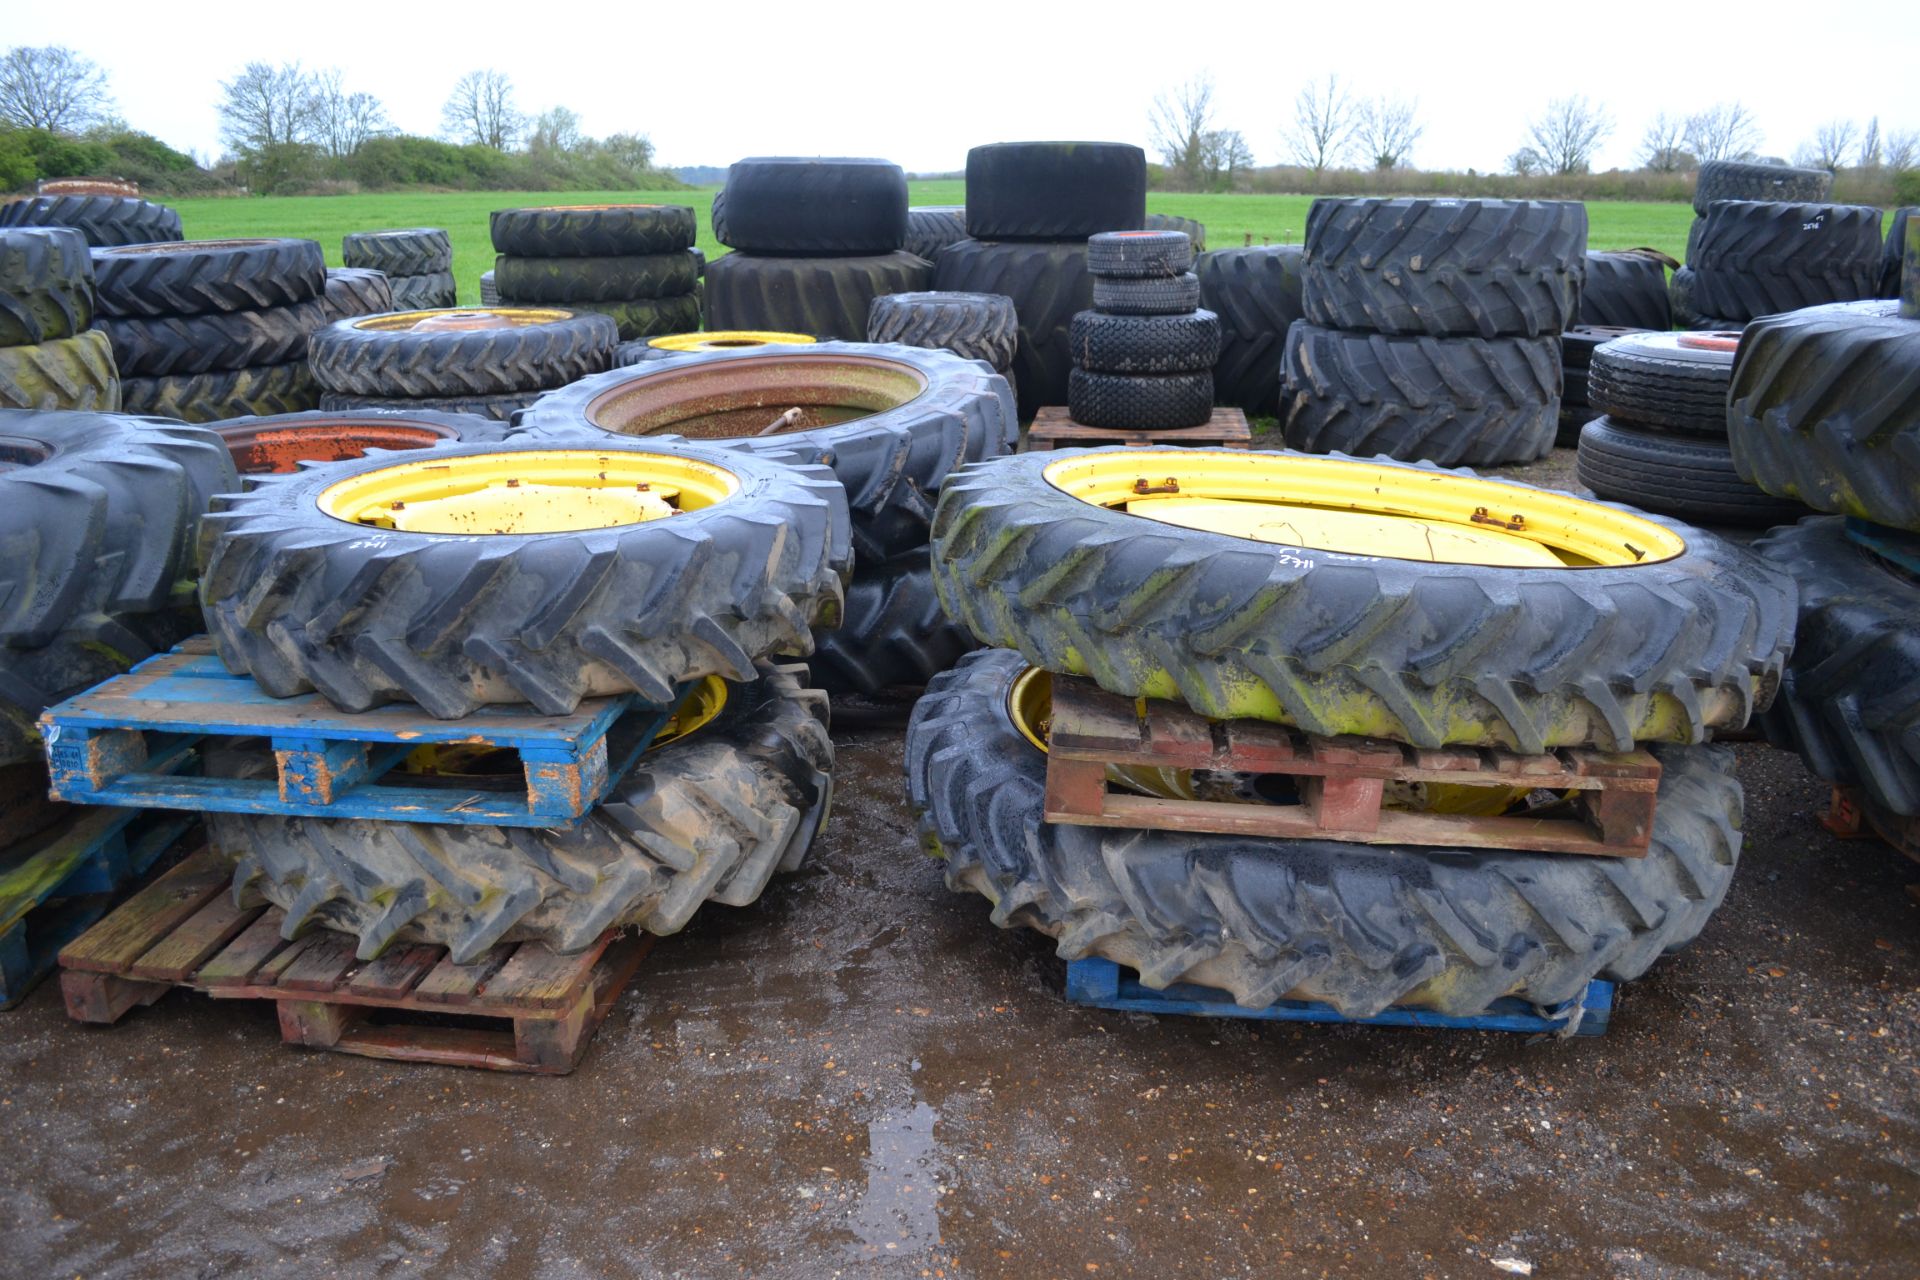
[862,1076]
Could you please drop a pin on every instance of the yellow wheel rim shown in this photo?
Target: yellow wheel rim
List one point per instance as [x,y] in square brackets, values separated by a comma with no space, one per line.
[1364,509]
[527,492]
[728,340]
[462,318]
[703,702]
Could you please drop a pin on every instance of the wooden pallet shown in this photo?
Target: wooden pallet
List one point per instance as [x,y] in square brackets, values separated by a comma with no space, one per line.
[1342,781]
[1053,428]
[133,741]
[185,930]
[1102,984]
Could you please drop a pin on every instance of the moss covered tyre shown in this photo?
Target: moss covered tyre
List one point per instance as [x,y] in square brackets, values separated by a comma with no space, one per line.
[1847,703]
[813,205]
[1405,602]
[668,344]
[1445,268]
[1627,290]
[224,393]
[1049,285]
[1759,259]
[46,285]
[894,636]
[405,251]
[1692,477]
[1256,293]
[1162,296]
[1196,231]
[91,648]
[827,297]
[188,277]
[1824,409]
[647,317]
[1187,343]
[563,280]
[164,346]
[978,326]
[523,571]
[474,351]
[1360,927]
[98,514]
[707,815]
[1054,190]
[1740,180]
[592,230]
[1140,401]
[64,373]
[1451,401]
[425,293]
[931,228]
[103,220]
[278,444]
[1667,381]
[893,422]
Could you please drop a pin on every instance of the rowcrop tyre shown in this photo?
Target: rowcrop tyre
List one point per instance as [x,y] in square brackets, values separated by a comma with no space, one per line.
[409,251]
[103,220]
[1196,232]
[301,599]
[1668,381]
[709,816]
[1824,409]
[1140,254]
[278,443]
[898,420]
[169,346]
[1140,402]
[1171,296]
[189,277]
[1526,658]
[1761,259]
[46,285]
[1360,927]
[825,297]
[1450,401]
[894,636]
[424,293]
[1445,268]
[66,373]
[1256,294]
[404,354]
[1893,253]
[1738,180]
[98,514]
[976,326]
[356,291]
[1048,283]
[224,393]
[592,230]
[1846,703]
[648,317]
[1187,343]
[932,228]
[1689,477]
[1054,190]
[489,291]
[1627,290]
[500,408]
[813,205]
[90,649]
[564,280]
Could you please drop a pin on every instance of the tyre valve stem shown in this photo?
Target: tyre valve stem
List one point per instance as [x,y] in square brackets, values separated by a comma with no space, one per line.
[1481,516]
[1170,485]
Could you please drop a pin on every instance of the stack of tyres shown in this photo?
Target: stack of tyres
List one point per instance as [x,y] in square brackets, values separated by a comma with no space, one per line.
[1736,180]
[491,361]
[513,571]
[1256,293]
[1431,328]
[931,228]
[48,357]
[974,326]
[1756,258]
[417,261]
[815,241]
[1143,356]
[1577,346]
[1391,620]
[632,262]
[1030,208]
[103,220]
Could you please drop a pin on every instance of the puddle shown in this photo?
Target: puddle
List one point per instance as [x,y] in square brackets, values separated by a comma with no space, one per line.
[899,1213]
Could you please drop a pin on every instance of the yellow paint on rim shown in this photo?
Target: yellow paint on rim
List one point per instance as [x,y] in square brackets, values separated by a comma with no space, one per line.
[703,702]
[527,492]
[503,318]
[1364,509]
[729,340]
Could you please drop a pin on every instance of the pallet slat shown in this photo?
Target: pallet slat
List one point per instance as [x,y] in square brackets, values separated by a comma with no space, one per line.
[129,932]
[197,939]
[235,963]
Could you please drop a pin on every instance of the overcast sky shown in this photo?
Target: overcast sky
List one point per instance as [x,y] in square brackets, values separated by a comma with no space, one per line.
[919,84]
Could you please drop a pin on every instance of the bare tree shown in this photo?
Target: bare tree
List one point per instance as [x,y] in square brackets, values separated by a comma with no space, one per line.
[1567,134]
[341,121]
[556,129]
[1831,143]
[481,110]
[1323,122]
[52,87]
[1902,150]
[1870,144]
[266,106]
[1724,131]
[1180,120]
[1663,146]
[1526,162]
[1386,130]
[1225,153]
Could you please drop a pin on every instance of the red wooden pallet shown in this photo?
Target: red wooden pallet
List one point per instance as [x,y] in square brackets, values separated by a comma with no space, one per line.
[1343,781]
[1053,427]
[184,930]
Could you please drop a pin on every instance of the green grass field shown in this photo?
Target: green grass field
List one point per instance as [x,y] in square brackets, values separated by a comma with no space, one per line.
[1230,219]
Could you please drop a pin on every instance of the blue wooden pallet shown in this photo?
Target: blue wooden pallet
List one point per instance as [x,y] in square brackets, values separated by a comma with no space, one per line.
[57,883]
[1102,984]
[133,741]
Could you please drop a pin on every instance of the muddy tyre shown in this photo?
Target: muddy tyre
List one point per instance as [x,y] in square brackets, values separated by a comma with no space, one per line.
[1140,402]
[1846,703]
[90,649]
[190,277]
[1187,343]
[569,280]
[1048,283]
[1360,927]
[1451,401]
[894,636]
[933,227]
[709,816]
[1668,381]
[169,346]
[825,297]
[1691,477]
[1054,190]
[1740,180]
[224,393]
[1671,632]
[1759,259]
[65,373]
[424,293]
[1256,294]
[976,326]
[592,231]
[1625,290]
[812,205]
[407,251]
[388,356]
[46,285]
[103,220]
